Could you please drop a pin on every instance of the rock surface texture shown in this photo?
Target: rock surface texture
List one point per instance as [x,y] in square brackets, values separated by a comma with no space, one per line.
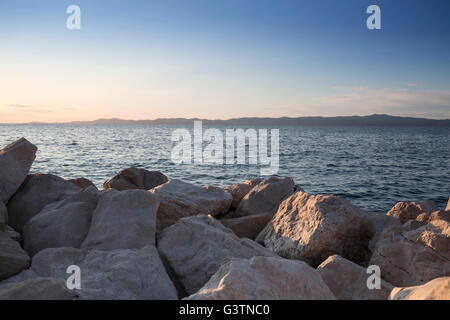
[248,227]
[15,163]
[404,211]
[414,257]
[348,281]
[240,190]
[37,289]
[264,278]
[437,289]
[36,192]
[135,178]
[63,223]
[179,199]
[114,274]
[265,197]
[123,220]
[13,258]
[196,247]
[311,228]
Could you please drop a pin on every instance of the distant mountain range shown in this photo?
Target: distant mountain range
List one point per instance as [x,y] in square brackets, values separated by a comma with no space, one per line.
[372,120]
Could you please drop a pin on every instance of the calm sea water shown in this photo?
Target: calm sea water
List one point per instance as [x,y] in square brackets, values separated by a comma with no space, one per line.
[373,167]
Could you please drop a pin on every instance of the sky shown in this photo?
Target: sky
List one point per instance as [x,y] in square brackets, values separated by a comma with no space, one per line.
[220,59]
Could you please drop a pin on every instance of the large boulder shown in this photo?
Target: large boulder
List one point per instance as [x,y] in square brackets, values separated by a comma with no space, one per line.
[135,178]
[37,289]
[405,211]
[348,281]
[264,278]
[15,163]
[240,190]
[413,257]
[13,258]
[37,191]
[448,205]
[265,197]
[63,223]
[3,216]
[123,220]
[313,227]
[437,289]
[247,227]
[180,199]
[115,274]
[195,248]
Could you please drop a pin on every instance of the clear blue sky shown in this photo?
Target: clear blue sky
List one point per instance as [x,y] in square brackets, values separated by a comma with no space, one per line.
[223,59]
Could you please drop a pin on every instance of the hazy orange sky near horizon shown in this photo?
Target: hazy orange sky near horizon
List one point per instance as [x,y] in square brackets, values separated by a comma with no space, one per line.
[221,60]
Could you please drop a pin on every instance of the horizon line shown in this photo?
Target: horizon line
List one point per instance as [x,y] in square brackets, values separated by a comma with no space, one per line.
[224,120]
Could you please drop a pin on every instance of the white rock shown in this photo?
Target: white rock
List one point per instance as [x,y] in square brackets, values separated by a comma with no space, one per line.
[179,199]
[36,192]
[117,274]
[61,224]
[15,162]
[13,258]
[264,278]
[312,228]
[437,289]
[37,289]
[195,247]
[348,281]
[123,220]
[413,257]
[265,197]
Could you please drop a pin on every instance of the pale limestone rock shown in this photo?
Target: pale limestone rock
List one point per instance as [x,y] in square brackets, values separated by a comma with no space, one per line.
[135,178]
[115,274]
[13,258]
[265,197]
[348,281]
[413,257]
[404,211]
[15,163]
[195,248]
[448,205]
[437,289]
[249,226]
[123,220]
[264,278]
[37,289]
[179,199]
[311,228]
[63,223]
[36,192]
[240,190]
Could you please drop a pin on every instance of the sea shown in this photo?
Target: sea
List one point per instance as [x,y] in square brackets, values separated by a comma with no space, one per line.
[373,167]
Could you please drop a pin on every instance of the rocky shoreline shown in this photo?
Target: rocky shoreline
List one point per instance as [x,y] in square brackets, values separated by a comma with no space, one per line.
[145,236]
